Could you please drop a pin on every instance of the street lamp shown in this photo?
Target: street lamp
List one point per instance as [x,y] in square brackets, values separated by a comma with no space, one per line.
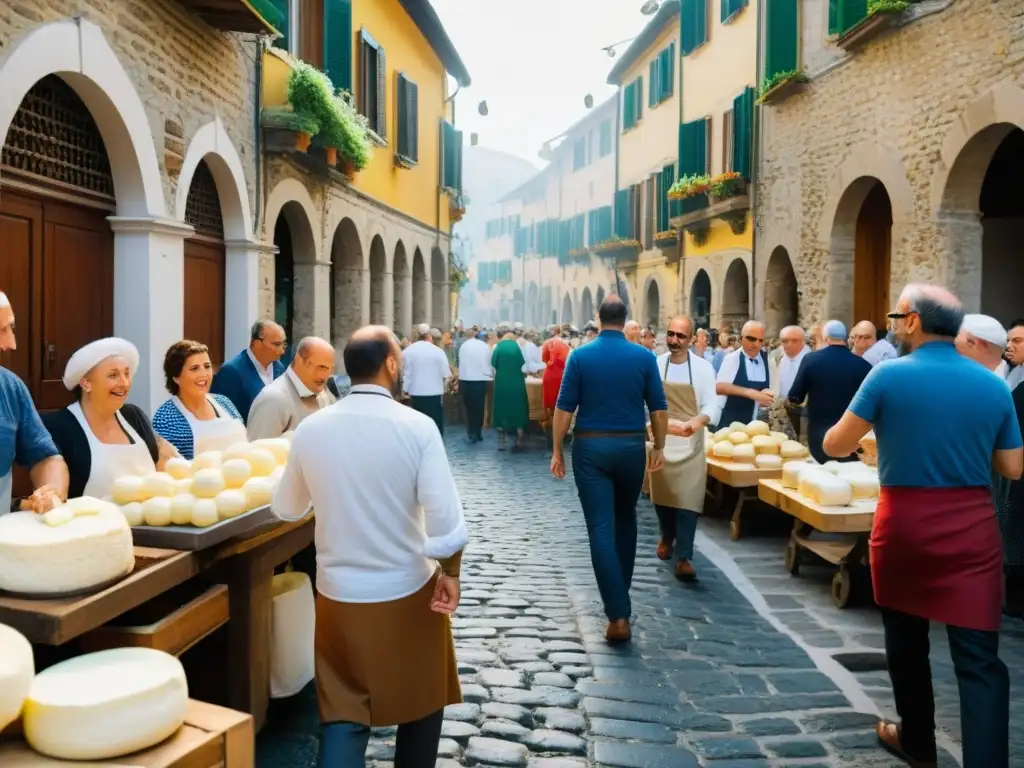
[650,7]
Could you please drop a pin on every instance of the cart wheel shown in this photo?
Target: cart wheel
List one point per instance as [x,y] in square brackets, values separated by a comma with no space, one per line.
[793,558]
[734,530]
[841,588]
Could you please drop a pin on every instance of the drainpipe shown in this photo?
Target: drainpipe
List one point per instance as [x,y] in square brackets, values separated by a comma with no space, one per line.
[437,218]
[258,136]
[683,289]
[755,161]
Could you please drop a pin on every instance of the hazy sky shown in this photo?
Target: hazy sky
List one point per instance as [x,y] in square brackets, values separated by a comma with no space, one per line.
[534,61]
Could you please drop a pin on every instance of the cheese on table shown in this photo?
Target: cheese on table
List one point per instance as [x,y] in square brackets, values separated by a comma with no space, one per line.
[87,551]
[59,516]
[743,453]
[832,466]
[768,461]
[207,460]
[738,426]
[158,484]
[105,705]
[722,434]
[237,451]
[128,489]
[207,483]
[178,468]
[736,437]
[86,505]
[277,446]
[779,437]
[236,472]
[133,513]
[156,512]
[791,471]
[204,513]
[262,462]
[791,449]
[17,668]
[764,444]
[182,507]
[724,449]
[230,504]
[825,489]
[258,492]
[758,428]
[863,485]
[184,485]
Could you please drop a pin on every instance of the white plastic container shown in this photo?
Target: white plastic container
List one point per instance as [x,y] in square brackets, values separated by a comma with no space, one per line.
[293,623]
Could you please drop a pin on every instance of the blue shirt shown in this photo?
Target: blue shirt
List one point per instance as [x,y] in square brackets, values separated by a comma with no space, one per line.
[610,380]
[23,438]
[938,418]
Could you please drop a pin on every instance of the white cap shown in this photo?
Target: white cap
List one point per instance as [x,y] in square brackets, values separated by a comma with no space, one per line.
[422,329]
[91,355]
[985,328]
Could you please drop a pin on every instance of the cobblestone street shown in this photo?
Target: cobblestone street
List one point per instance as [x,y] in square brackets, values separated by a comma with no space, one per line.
[709,680]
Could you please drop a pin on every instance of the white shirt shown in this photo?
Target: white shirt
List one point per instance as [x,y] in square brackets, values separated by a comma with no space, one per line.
[267,374]
[1014,376]
[301,388]
[879,351]
[531,354]
[788,366]
[703,381]
[426,368]
[755,370]
[475,361]
[386,504]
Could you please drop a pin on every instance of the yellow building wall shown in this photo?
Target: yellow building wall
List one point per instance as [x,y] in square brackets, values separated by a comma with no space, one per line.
[720,238]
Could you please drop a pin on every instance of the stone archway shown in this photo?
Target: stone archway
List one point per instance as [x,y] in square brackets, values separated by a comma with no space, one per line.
[566,316]
[439,289]
[379,310]
[420,290]
[781,297]
[652,303]
[736,295]
[294,290]
[346,283]
[700,300]
[402,288]
[587,307]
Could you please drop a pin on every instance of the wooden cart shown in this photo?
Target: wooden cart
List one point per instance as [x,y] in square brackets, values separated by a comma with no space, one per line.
[850,552]
[743,478]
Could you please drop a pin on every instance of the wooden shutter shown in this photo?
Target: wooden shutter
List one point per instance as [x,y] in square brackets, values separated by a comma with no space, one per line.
[655,78]
[449,161]
[407,118]
[622,213]
[727,9]
[414,123]
[667,179]
[337,42]
[701,22]
[277,13]
[639,96]
[851,13]
[833,17]
[628,107]
[381,126]
[668,68]
[782,36]
[693,158]
[650,210]
[694,20]
[743,132]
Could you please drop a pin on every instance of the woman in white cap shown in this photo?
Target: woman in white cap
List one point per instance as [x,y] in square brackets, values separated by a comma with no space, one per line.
[100,436]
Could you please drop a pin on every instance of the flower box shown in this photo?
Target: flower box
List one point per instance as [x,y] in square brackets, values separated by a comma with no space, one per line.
[881,17]
[618,249]
[781,86]
[286,131]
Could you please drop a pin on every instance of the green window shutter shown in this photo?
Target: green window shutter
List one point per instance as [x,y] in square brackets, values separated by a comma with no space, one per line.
[693,158]
[639,98]
[457,138]
[449,159]
[276,13]
[652,93]
[782,36]
[665,181]
[668,70]
[701,22]
[693,17]
[851,13]
[337,41]
[628,105]
[686,38]
[381,127]
[743,132]
[833,17]
[407,119]
[727,9]
[622,214]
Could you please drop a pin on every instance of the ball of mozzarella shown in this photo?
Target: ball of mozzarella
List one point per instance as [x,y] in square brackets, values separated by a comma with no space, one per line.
[207,483]
[757,428]
[16,673]
[133,513]
[181,508]
[230,504]
[258,492]
[127,489]
[237,451]
[737,437]
[277,446]
[178,468]
[184,485]
[236,472]
[157,511]
[204,513]
[158,484]
[262,462]
[207,460]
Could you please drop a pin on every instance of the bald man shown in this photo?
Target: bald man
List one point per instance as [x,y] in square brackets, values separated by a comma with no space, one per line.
[866,344]
[742,383]
[632,331]
[301,392]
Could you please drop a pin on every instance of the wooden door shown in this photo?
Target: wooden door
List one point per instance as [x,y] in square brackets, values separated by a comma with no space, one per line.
[21,242]
[871,258]
[204,295]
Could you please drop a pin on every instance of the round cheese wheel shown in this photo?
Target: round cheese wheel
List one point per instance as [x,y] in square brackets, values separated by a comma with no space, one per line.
[204,513]
[758,428]
[722,434]
[207,460]
[181,508]
[743,453]
[17,668]
[230,504]
[237,451]
[258,492]
[236,472]
[207,483]
[59,516]
[778,437]
[736,437]
[157,511]
[178,468]
[262,462]
[724,449]
[832,467]
[738,425]
[764,444]
[768,461]
[133,513]
[158,484]
[105,705]
[825,489]
[791,449]
[277,446]
[127,489]
[791,473]
[184,485]
[863,485]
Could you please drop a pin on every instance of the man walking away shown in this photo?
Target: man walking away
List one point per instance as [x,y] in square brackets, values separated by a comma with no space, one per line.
[936,553]
[475,373]
[387,515]
[426,371]
[610,380]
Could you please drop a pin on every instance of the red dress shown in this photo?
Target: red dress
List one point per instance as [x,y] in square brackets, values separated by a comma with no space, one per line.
[553,353]
[937,553]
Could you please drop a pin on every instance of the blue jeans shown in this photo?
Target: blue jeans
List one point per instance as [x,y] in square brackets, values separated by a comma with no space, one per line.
[343,745]
[609,473]
[679,525]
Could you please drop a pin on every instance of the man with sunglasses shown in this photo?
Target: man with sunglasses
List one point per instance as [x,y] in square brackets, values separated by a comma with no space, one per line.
[742,381]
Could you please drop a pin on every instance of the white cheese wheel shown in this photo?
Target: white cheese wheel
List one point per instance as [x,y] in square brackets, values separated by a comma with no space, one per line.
[258,492]
[768,461]
[832,467]
[207,483]
[722,434]
[778,437]
[128,489]
[133,513]
[237,451]
[230,504]
[204,513]
[724,449]
[86,505]
[17,668]
[736,437]
[863,485]
[758,428]
[184,485]
[87,551]
[178,468]
[59,516]
[236,472]
[277,446]
[105,705]
[825,489]
[157,511]
[791,473]
[791,449]
[764,444]
[181,509]
[207,460]
[743,453]
[158,484]
[738,426]
[262,462]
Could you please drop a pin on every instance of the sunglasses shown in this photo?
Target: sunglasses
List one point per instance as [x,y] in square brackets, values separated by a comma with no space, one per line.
[753,340]
[676,335]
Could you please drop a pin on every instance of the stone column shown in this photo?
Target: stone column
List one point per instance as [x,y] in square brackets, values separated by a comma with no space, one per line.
[242,290]
[403,297]
[960,246]
[312,306]
[439,304]
[351,303]
[388,300]
[149,296]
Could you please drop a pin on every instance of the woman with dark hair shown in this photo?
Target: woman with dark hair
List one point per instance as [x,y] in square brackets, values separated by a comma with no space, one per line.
[100,436]
[193,420]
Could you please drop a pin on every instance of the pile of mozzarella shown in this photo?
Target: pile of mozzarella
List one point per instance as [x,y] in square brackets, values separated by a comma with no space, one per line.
[93,707]
[835,484]
[754,443]
[215,486]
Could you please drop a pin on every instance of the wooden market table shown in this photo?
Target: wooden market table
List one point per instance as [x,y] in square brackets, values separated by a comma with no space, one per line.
[848,550]
[743,478]
[234,589]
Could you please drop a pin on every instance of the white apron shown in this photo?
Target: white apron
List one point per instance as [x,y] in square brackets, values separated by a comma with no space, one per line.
[214,434]
[109,462]
[6,486]
[681,481]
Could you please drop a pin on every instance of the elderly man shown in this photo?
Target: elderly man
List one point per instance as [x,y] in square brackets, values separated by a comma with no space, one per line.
[866,344]
[983,340]
[23,438]
[475,376]
[426,371]
[633,332]
[742,382]
[245,375]
[793,346]
[702,345]
[936,553]
[301,392]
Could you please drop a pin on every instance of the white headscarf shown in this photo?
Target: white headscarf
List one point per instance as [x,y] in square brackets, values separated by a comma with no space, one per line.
[91,355]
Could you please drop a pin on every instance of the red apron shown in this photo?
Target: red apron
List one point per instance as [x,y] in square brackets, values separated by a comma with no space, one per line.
[937,553]
[554,352]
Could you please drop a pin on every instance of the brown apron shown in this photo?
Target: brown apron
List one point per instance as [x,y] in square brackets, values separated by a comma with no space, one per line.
[680,482]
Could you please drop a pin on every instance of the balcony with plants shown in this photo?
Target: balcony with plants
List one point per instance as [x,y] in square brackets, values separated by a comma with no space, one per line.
[619,249]
[857,22]
[720,196]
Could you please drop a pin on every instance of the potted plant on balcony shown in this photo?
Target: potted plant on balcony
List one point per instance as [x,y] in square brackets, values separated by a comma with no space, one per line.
[737,221]
[619,248]
[690,186]
[726,185]
[457,207]
[289,129]
[700,232]
[780,85]
[667,239]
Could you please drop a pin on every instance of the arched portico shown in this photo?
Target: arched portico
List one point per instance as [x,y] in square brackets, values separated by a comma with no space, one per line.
[781,301]
[349,311]
[651,315]
[420,289]
[402,290]
[380,299]
[439,289]
[736,295]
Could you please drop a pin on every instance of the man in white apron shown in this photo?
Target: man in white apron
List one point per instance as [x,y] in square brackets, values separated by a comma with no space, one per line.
[677,490]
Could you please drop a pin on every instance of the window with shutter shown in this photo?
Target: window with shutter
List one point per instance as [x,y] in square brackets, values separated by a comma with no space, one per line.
[628,107]
[338,42]
[730,8]
[833,17]
[728,141]
[666,180]
[650,210]
[851,13]
[654,93]
[639,96]
[693,17]
[743,132]
[407,118]
[623,212]
[372,96]
[693,158]
[606,139]
[782,37]
[278,14]
[668,69]
[635,210]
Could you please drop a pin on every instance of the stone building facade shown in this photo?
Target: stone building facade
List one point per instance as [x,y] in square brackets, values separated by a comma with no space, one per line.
[899,160]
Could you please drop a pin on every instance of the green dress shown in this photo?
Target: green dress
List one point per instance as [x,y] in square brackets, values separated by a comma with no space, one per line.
[511,408]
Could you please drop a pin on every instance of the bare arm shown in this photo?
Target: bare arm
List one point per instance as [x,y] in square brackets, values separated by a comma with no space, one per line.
[49,478]
[1009,463]
[659,428]
[559,428]
[844,438]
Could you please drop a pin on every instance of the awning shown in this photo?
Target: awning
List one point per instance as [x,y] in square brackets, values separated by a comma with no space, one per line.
[235,15]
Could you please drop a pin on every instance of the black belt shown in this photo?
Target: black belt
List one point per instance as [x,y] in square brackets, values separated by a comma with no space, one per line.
[598,433]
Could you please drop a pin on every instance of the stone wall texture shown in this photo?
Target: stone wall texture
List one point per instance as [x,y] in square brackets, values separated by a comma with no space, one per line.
[900,109]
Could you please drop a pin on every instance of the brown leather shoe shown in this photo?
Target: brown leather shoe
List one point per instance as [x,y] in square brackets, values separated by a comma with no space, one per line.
[664,550]
[618,631]
[889,735]
[685,570]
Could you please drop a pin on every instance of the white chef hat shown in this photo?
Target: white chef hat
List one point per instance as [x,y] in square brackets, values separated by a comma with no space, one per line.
[985,328]
[91,355]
